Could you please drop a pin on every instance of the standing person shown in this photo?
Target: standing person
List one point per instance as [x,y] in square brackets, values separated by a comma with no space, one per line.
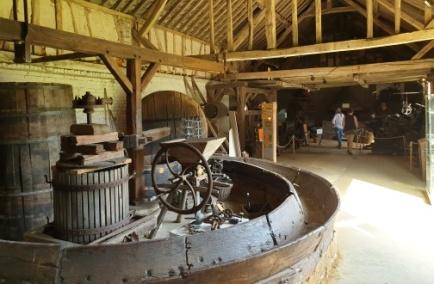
[351,126]
[339,124]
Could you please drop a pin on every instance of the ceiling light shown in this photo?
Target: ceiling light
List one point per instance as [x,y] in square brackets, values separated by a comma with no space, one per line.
[428,3]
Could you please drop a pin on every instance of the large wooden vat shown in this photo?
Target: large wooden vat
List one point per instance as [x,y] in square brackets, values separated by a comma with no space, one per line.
[90,205]
[32,117]
[167,109]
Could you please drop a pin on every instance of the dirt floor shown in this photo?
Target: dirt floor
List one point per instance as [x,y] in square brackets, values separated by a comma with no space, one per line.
[385,227]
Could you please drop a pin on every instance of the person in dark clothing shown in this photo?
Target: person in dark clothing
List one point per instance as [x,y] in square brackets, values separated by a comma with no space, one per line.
[351,126]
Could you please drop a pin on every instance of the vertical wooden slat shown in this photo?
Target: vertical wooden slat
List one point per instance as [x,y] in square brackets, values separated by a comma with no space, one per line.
[85,196]
[397,16]
[211,26]
[229,26]
[92,206]
[102,199]
[295,22]
[251,23]
[270,26]
[318,21]
[369,19]
[427,14]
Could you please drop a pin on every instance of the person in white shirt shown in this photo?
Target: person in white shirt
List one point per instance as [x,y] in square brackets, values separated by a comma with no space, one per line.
[339,125]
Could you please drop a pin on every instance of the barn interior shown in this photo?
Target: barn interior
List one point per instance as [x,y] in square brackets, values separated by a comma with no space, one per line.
[195,141]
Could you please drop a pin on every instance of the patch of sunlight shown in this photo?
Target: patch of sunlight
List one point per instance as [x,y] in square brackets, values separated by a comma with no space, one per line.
[406,218]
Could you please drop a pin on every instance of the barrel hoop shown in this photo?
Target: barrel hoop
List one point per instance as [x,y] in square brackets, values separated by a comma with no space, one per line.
[26,193]
[30,140]
[89,187]
[35,113]
[95,231]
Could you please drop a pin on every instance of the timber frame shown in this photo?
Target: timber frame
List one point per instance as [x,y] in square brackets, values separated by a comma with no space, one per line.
[232,40]
[240,94]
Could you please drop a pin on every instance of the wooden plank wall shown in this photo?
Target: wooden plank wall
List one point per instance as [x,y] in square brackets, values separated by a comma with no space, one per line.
[93,20]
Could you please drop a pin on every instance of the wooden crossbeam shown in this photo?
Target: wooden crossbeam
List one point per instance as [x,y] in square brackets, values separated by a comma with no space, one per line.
[156,10]
[12,31]
[118,73]
[270,25]
[330,47]
[398,66]
[68,56]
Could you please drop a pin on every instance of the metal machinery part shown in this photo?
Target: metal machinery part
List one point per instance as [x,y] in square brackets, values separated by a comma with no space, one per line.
[222,183]
[194,177]
[88,103]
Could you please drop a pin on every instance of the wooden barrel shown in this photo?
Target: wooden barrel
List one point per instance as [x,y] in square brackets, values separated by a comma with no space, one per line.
[167,109]
[90,205]
[32,117]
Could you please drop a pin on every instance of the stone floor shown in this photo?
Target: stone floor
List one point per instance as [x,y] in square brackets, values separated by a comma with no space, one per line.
[385,227]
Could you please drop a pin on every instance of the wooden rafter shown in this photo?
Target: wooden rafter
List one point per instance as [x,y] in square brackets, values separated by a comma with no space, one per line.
[156,10]
[377,21]
[38,35]
[148,75]
[404,15]
[330,47]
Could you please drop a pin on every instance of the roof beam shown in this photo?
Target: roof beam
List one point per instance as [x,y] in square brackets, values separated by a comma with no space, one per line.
[404,15]
[377,21]
[330,47]
[37,35]
[296,74]
[156,10]
[119,75]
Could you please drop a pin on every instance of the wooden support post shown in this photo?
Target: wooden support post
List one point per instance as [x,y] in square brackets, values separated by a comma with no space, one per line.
[397,16]
[270,25]
[118,73]
[23,52]
[295,22]
[318,24]
[211,26]
[241,115]
[251,23]
[59,19]
[369,19]
[427,14]
[134,127]
[229,23]
[329,4]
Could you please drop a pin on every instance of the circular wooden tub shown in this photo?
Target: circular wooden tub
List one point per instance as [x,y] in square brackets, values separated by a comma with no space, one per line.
[285,244]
